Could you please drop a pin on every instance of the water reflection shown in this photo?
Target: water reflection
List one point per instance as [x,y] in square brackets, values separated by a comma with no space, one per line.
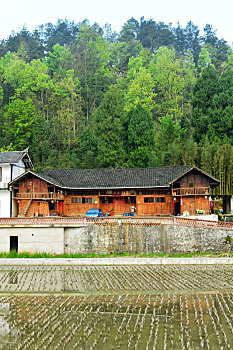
[114,280]
[8,334]
[172,321]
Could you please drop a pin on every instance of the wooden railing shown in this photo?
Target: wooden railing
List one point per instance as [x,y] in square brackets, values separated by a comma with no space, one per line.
[76,221]
[192,191]
[44,195]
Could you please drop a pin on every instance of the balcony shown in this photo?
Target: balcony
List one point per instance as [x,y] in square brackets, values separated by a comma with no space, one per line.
[193,191]
[41,196]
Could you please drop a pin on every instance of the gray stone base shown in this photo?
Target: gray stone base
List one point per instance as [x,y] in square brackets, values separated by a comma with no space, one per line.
[145,239]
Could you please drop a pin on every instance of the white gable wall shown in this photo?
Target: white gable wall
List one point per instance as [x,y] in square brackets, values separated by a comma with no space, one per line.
[5,195]
[18,169]
[6,174]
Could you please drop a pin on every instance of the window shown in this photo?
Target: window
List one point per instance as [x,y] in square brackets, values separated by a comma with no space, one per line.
[127,200]
[74,200]
[104,200]
[149,200]
[191,185]
[87,200]
[160,199]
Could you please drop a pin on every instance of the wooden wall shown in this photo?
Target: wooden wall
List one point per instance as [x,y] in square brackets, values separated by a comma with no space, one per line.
[33,185]
[191,204]
[36,208]
[71,208]
[155,208]
[146,201]
[194,180]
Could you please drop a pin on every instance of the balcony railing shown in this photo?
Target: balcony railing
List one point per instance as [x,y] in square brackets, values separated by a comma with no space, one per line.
[44,195]
[192,191]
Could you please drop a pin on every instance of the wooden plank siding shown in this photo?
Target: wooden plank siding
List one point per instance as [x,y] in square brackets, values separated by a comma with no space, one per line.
[189,193]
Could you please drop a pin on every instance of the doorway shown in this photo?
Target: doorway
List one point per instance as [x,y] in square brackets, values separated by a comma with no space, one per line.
[119,205]
[177,207]
[14,243]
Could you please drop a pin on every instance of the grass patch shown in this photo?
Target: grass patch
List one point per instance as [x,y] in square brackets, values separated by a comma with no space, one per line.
[29,255]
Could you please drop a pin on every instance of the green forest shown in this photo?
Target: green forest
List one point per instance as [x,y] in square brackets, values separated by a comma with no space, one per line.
[82,96]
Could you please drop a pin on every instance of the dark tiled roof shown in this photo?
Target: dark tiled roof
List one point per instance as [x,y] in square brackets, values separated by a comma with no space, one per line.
[14,157]
[48,178]
[116,178]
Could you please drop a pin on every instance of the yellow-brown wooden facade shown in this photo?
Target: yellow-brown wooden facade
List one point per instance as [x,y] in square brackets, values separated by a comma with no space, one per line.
[36,197]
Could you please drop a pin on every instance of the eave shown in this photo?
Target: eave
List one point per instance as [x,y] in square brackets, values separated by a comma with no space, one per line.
[199,170]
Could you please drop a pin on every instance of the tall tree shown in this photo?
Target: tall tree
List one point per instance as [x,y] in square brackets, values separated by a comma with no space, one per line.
[175,78]
[140,140]
[92,64]
[141,85]
[203,94]
[107,120]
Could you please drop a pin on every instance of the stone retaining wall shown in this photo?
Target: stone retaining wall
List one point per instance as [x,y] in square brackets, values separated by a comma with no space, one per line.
[145,239]
[106,239]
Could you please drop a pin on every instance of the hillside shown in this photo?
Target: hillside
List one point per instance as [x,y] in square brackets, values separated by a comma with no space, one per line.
[80,95]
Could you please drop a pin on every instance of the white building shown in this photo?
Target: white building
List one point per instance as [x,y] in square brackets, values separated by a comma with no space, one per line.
[12,164]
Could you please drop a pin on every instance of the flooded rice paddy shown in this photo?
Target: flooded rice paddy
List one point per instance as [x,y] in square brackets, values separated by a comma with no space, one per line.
[120,307]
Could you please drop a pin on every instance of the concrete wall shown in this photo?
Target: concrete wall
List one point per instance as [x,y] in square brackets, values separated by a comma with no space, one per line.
[119,239]
[145,239]
[34,239]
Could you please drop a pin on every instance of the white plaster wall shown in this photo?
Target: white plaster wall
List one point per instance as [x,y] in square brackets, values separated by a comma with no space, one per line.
[34,239]
[6,174]
[18,169]
[5,194]
[4,203]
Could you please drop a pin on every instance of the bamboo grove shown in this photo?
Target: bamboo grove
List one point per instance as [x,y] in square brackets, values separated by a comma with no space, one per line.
[80,95]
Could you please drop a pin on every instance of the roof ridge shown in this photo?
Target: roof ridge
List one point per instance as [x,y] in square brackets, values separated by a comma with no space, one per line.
[124,168]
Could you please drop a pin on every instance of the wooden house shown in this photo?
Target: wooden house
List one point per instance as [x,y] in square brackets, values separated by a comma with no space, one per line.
[151,191]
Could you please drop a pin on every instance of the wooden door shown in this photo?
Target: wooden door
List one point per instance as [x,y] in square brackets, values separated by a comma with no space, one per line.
[119,205]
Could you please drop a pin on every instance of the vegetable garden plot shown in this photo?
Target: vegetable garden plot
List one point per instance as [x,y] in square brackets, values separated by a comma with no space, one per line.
[161,321]
[114,280]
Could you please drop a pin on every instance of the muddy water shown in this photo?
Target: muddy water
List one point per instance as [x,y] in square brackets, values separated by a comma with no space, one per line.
[116,307]
[115,280]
